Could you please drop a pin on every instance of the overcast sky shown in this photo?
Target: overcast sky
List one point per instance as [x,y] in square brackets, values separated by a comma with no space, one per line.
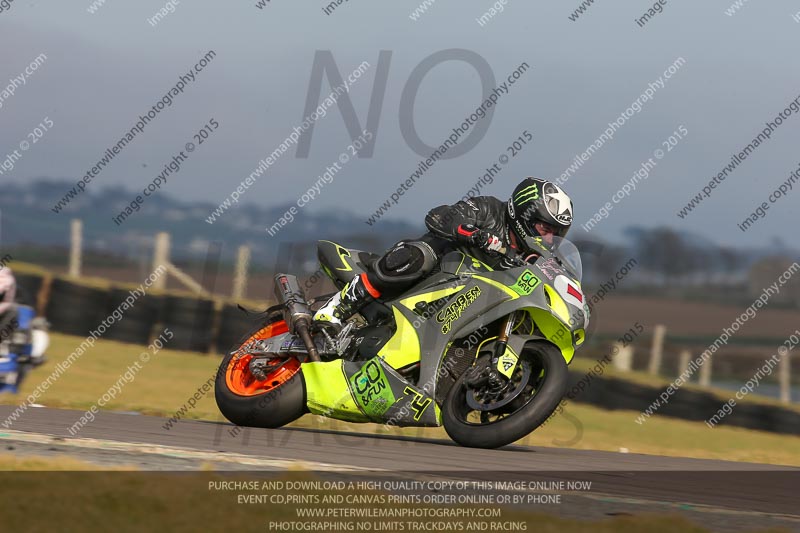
[105,69]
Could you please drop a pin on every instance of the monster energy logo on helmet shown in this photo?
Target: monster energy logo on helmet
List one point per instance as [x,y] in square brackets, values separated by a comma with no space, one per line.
[535,200]
[527,194]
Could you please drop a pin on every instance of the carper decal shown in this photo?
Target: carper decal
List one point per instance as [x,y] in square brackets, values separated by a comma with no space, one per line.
[452,312]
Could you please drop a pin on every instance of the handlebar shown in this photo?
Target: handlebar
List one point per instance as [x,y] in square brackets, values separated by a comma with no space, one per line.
[515,259]
[518,260]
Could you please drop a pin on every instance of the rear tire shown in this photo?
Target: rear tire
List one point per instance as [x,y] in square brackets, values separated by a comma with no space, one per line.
[271,409]
[521,422]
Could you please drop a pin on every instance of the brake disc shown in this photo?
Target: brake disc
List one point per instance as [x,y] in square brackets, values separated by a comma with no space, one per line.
[484,400]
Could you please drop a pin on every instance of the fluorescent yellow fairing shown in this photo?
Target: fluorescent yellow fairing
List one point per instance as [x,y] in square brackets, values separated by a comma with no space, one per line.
[557,304]
[557,332]
[580,336]
[328,393]
[403,348]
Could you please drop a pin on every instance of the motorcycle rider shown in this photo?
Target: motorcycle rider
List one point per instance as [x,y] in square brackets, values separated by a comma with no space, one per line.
[8,292]
[537,211]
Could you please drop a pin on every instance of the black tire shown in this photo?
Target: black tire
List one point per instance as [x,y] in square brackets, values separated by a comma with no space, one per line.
[189,338]
[187,310]
[62,288]
[271,409]
[148,307]
[521,422]
[233,321]
[138,321]
[28,288]
[130,332]
[191,320]
[75,309]
[79,327]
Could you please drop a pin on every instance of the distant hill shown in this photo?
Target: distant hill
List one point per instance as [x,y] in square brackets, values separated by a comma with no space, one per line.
[667,258]
[27,219]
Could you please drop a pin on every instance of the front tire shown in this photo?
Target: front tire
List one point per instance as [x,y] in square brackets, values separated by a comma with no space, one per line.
[543,393]
[248,402]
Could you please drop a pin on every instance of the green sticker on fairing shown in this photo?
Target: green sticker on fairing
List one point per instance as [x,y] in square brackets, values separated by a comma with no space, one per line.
[525,284]
[371,389]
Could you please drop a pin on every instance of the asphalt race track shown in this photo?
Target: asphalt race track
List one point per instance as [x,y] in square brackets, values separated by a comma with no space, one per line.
[718,494]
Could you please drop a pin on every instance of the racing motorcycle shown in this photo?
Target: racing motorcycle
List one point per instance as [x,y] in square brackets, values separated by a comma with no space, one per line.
[22,346]
[482,352]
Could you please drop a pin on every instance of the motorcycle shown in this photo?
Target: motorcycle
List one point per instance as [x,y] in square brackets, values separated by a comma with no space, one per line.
[23,343]
[482,352]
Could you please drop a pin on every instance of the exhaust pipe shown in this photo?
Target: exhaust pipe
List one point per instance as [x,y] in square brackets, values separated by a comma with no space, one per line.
[297,314]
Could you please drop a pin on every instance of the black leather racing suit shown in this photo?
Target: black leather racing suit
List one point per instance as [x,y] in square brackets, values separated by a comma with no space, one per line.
[485,212]
[403,264]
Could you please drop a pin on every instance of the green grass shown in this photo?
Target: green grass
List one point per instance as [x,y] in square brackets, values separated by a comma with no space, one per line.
[161,387]
[34,463]
[133,502]
[167,381]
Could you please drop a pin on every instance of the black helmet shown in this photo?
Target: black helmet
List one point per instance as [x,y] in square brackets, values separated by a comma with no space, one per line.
[534,201]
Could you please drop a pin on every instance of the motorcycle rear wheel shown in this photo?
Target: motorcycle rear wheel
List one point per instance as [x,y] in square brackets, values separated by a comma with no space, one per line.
[542,393]
[251,402]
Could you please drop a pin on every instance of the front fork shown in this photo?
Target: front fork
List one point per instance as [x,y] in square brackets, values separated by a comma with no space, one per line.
[502,339]
[490,375]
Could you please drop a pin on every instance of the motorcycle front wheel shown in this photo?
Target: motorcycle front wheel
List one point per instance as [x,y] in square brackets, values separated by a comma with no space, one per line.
[537,386]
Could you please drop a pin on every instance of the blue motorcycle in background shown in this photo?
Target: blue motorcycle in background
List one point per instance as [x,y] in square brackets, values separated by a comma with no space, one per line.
[23,342]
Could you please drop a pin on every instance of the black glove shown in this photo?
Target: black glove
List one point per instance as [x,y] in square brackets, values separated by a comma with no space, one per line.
[473,236]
